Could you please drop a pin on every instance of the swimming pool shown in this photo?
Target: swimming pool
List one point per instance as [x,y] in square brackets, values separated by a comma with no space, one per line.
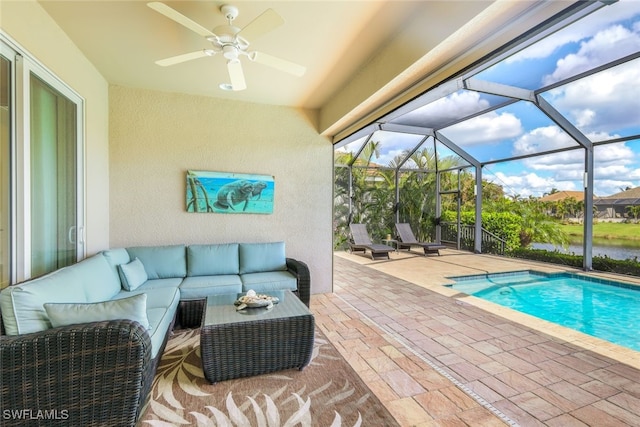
[605,309]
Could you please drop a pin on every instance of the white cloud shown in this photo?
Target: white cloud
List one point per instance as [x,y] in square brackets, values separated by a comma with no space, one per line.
[608,187]
[615,168]
[596,51]
[386,158]
[614,153]
[488,128]
[580,30]
[455,105]
[542,139]
[528,184]
[604,104]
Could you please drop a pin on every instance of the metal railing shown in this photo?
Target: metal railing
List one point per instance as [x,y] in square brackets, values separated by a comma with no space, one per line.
[465,240]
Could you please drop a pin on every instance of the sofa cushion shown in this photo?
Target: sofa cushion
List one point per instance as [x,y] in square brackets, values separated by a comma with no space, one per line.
[23,312]
[259,257]
[161,262]
[199,287]
[115,257]
[132,275]
[161,294]
[132,308]
[156,298]
[161,283]
[161,320]
[162,305]
[210,260]
[95,275]
[268,281]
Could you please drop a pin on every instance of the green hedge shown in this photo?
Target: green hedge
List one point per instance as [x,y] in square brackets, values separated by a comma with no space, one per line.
[629,266]
[506,225]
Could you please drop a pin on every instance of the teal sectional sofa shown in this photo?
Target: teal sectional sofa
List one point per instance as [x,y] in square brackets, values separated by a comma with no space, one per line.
[83,342]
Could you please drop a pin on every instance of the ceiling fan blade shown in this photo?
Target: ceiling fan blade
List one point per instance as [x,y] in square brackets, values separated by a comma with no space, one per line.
[278,63]
[267,21]
[185,57]
[236,75]
[179,18]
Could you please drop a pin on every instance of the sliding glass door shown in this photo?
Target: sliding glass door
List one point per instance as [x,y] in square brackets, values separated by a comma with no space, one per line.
[42,175]
[53,178]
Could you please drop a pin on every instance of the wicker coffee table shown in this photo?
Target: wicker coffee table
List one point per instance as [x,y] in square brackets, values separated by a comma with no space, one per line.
[254,341]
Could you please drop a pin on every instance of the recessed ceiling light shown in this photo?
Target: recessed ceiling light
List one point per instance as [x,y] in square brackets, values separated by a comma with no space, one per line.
[225,86]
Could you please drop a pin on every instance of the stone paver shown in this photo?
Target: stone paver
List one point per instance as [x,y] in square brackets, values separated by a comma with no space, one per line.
[425,351]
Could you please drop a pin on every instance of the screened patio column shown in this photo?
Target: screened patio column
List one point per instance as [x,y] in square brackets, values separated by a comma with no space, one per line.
[580,138]
[477,248]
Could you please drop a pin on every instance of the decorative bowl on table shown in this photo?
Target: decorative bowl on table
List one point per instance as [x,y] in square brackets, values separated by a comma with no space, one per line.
[253,300]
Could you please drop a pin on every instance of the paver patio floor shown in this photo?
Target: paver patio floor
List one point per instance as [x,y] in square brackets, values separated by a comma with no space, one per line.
[436,357]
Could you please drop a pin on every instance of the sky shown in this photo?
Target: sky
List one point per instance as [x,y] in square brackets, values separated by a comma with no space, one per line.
[602,106]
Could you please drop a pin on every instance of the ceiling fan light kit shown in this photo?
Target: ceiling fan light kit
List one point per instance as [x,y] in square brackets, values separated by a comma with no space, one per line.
[232,42]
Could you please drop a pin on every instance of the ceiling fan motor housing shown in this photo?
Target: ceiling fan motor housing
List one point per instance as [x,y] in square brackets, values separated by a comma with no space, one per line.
[229,12]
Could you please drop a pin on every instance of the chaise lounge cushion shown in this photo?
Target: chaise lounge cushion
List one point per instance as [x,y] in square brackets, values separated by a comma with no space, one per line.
[132,308]
[261,257]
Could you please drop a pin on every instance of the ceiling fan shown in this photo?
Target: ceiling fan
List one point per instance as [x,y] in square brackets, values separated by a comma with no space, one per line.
[232,42]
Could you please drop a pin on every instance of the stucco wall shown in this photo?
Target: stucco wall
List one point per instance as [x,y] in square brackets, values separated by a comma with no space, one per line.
[156,137]
[33,29]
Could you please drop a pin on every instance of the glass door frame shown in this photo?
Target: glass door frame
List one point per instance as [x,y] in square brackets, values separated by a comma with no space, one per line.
[9,55]
[23,67]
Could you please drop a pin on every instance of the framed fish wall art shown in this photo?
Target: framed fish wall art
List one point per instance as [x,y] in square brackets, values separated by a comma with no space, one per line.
[223,192]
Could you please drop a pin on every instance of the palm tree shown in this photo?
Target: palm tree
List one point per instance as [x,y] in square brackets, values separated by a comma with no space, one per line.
[634,211]
[537,226]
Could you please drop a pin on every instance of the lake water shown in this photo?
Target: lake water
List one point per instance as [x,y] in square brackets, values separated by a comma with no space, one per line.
[601,247]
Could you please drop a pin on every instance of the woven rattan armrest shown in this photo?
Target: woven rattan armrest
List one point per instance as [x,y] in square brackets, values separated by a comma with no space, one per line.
[84,375]
[301,271]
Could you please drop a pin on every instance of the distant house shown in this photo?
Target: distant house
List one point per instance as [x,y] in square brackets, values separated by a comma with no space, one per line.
[561,195]
[615,206]
[572,211]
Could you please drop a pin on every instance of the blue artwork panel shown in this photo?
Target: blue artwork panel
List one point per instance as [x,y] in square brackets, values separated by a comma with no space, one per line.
[223,192]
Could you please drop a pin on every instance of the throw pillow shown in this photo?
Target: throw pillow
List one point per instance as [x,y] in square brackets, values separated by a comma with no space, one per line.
[131,308]
[132,275]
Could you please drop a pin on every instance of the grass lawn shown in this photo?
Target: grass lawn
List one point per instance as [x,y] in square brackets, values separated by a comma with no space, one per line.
[606,230]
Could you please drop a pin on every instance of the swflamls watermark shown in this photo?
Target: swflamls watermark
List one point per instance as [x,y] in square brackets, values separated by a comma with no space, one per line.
[35,414]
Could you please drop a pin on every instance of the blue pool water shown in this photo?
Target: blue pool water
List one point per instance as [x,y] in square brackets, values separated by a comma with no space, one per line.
[605,309]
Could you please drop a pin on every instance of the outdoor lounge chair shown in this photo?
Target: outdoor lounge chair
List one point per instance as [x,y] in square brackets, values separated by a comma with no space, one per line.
[406,240]
[360,241]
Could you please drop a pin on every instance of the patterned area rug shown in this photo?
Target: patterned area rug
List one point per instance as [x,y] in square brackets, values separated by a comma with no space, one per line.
[326,393]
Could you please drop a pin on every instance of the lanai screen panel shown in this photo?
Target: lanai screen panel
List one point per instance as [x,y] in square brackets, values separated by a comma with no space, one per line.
[604,105]
[519,129]
[390,148]
[450,109]
[615,167]
[537,176]
[448,159]
[421,158]
[344,153]
[604,36]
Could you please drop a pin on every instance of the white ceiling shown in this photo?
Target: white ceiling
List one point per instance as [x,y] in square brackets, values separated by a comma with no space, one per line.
[333,39]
